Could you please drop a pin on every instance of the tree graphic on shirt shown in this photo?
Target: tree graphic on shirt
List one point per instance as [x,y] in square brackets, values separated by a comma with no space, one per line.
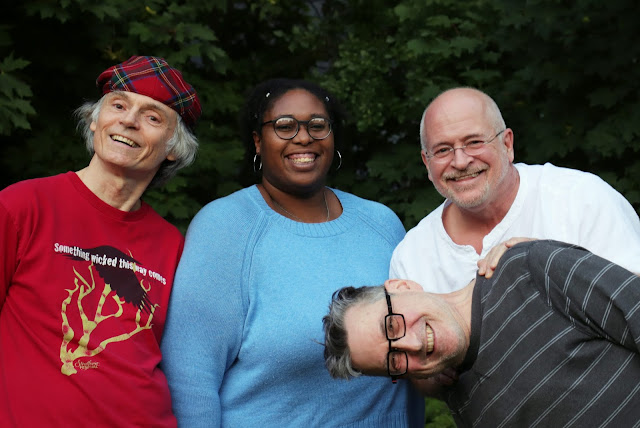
[84,287]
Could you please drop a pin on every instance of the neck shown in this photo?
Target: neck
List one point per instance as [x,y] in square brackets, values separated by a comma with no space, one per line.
[461,299]
[119,192]
[469,226]
[314,208]
[461,302]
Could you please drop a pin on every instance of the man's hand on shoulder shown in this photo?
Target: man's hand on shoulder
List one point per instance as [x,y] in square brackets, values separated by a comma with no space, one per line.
[488,264]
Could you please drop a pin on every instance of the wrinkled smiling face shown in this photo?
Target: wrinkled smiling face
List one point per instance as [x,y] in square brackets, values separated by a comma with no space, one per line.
[468,181]
[435,337]
[131,134]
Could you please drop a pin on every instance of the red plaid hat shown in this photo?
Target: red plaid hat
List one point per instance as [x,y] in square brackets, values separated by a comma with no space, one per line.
[153,77]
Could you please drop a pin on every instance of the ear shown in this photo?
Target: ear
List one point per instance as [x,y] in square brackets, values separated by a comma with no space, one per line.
[508,143]
[93,126]
[257,142]
[171,157]
[425,161]
[400,285]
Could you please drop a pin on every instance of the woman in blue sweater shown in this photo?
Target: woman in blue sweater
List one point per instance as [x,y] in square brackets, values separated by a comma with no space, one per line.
[242,340]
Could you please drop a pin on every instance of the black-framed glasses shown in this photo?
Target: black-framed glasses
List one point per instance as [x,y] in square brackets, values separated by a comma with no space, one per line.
[395,329]
[473,148]
[287,127]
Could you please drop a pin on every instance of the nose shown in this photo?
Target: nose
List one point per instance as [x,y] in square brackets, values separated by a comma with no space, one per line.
[303,137]
[130,118]
[409,343]
[460,159]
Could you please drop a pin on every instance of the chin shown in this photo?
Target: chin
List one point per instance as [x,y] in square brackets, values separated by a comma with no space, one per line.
[468,203]
[471,198]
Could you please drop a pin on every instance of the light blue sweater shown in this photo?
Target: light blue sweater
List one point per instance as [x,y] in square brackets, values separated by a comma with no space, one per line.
[242,344]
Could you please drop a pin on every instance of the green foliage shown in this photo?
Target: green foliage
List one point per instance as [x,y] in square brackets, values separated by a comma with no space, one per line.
[564,73]
[437,414]
[15,105]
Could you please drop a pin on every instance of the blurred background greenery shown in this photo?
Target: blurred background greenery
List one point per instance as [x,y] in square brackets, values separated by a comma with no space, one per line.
[564,72]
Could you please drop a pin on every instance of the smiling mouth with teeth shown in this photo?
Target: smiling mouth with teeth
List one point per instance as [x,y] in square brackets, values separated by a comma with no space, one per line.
[475,174]
[124,140]
[429,339]
[302,158]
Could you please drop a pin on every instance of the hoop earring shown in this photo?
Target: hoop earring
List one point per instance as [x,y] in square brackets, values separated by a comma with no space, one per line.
[340,159]
[255,157]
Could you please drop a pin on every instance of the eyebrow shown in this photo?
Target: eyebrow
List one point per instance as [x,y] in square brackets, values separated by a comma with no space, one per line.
[383,331]
[155,106]
[311,116]
[466,137]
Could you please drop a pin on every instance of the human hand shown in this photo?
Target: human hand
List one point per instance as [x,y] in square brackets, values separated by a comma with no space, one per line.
[488,264]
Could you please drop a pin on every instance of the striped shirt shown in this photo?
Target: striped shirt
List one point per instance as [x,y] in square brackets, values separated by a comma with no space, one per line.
[555,339]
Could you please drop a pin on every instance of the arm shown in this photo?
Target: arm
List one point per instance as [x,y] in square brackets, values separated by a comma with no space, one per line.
[204,323]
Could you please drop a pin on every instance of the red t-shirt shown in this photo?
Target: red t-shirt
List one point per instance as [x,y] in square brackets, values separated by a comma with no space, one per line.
[84,290]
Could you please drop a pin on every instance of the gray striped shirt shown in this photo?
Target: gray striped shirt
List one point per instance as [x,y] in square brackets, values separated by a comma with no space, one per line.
[554,343]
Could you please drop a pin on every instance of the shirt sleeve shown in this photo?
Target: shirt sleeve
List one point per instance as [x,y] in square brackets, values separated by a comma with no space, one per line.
[607,223]
[205,318]
[396,270]
[600,296]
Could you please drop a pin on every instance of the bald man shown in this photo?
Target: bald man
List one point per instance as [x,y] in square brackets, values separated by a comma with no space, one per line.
[468,152]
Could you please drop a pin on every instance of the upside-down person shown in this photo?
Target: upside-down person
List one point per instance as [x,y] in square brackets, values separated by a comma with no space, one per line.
[550,339]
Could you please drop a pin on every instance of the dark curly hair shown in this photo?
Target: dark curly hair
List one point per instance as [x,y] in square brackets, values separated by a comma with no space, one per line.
[257,103]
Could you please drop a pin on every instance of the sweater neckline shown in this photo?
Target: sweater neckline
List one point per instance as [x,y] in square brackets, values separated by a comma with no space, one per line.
[332,227]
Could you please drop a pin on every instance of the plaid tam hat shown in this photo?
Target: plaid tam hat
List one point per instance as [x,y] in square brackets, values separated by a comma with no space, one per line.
[153,77]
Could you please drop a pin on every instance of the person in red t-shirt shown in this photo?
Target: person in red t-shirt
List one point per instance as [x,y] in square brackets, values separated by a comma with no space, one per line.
[86,267]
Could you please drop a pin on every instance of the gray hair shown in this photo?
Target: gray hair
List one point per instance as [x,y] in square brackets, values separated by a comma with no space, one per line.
[493,113]
[183,144]
[337,357]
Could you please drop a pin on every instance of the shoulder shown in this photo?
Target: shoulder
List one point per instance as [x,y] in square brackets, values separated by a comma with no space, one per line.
[23,193]
[576,272]
[36,183]
[562,178]
[548,257]
[570,189]
[237,206]
[378,215]
[232,216]
[427,227]
[154,221]
[365,206]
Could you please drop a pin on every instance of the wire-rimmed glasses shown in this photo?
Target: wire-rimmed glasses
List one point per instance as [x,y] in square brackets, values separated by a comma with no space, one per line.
[444,153]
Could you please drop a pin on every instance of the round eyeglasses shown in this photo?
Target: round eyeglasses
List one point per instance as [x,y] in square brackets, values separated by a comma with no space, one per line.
[444,153]
[287,127]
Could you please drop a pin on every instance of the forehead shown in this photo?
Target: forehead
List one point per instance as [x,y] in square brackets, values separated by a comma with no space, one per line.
[297,102]
[456,114]
[142,102]
[366,339]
